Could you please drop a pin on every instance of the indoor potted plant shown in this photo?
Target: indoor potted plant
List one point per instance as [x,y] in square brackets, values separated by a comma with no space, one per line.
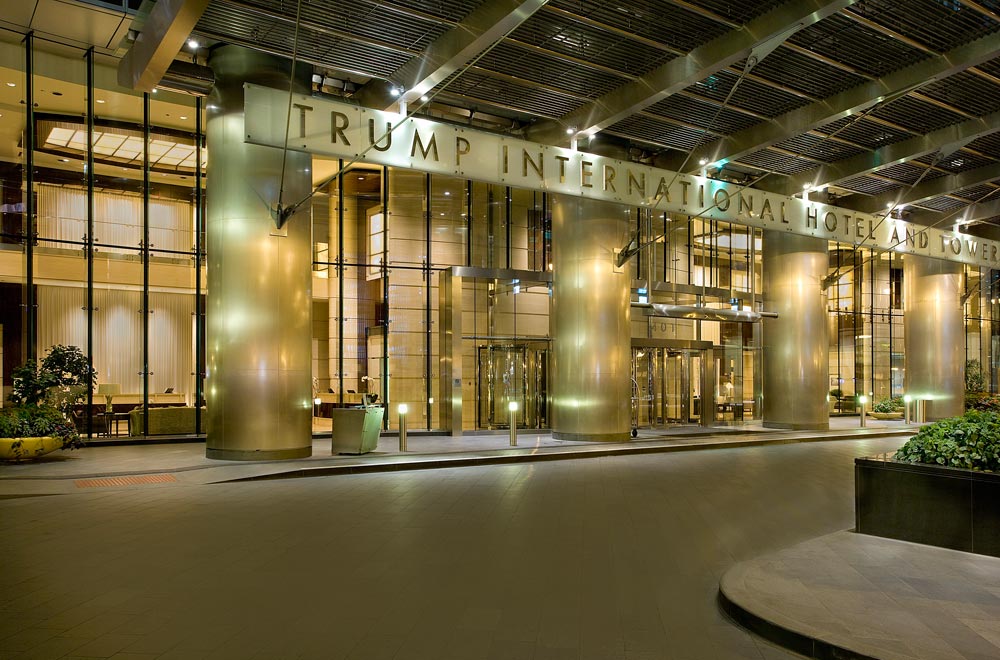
[28,432]
[43,395]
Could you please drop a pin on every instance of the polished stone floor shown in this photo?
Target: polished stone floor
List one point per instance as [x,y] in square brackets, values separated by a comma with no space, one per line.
[605,558]
[877,597]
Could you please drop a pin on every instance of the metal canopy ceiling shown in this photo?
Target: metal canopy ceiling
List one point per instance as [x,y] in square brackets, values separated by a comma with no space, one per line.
[807,110]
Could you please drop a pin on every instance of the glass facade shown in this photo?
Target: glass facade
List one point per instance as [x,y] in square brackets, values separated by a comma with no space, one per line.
[101,242]
[102,248]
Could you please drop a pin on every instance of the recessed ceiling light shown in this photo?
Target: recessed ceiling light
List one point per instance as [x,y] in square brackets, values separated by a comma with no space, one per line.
[56,93]
[183,116]
[12,84]
[100,100]
[193,44]
[64,160]
[447,193]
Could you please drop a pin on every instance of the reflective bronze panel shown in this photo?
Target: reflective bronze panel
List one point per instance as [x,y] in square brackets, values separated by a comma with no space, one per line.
[934,338]
[590,322]
[258,386]
[795,345]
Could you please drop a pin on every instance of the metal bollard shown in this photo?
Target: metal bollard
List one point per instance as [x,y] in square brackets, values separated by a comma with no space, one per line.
[512,407]
[906,408]
[863,400]
[402,426]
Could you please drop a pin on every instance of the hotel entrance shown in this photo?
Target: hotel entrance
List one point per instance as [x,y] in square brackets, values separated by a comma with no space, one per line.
[670,380]
[512,372]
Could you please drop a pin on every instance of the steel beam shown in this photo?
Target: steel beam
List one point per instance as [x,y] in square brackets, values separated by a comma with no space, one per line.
[927,190]
[848,102]
[451,51]
[169,24]
[973,219]
[887,156]
[983,210]
[679,73]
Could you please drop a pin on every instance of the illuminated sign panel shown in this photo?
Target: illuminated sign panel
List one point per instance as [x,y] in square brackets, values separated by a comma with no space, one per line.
[341,130]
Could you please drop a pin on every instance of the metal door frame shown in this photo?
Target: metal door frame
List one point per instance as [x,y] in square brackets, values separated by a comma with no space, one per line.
[706,351]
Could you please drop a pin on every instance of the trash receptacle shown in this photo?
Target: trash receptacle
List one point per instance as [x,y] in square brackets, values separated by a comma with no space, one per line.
[356,430]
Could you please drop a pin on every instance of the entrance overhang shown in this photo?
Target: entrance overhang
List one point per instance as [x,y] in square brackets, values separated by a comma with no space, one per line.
[355,134]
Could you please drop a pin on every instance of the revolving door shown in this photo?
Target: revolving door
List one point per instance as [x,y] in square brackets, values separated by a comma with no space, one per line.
[512,372]
[670,384]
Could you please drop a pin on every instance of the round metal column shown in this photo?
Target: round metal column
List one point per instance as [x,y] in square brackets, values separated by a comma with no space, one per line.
[590,322]
[259,305]
[934,337]
[795,345]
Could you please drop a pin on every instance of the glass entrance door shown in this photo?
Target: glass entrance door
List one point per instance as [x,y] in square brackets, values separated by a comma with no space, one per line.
[666,386]
[512,372]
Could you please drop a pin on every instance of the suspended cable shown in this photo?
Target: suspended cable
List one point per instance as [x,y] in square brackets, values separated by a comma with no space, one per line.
[281,217]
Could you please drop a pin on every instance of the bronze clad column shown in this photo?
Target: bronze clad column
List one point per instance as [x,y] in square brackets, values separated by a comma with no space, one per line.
[796,346]
[258,386]
[590,322]
[933,335]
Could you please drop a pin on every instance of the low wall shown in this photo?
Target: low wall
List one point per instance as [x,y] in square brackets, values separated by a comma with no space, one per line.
[929,504]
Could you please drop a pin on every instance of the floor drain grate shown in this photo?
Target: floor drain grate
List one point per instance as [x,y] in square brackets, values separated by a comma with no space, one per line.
[125,481]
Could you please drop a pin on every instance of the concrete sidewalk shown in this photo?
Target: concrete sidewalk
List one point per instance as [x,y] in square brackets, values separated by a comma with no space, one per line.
[848,595]
[130,465]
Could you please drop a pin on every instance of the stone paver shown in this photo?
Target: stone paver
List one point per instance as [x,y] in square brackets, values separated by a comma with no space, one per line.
[876,597]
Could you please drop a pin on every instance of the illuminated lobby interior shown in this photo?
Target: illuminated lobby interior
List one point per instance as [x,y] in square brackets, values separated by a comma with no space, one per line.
[440,291]
[632,230]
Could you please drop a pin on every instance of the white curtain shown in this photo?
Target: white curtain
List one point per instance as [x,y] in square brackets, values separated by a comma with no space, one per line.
[62,215]
[62,319]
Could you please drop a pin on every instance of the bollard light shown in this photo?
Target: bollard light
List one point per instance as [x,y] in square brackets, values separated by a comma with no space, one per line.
[401,409]
[512,407]
[906,408]
[863,400]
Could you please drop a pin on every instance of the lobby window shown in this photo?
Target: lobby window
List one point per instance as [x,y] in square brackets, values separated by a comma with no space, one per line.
[376,242]
[896,287]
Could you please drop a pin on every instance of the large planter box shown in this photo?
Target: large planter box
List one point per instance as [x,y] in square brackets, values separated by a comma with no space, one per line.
[28,448]
[355,430]
[929,504]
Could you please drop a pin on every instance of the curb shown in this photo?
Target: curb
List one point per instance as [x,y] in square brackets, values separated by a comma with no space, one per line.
[436,462]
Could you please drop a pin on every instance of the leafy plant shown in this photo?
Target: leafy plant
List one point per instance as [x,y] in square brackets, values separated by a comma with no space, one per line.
[975,378]
[982,401]
[60,380]
[27,421]
[836,393]
[971,441]
[888,405]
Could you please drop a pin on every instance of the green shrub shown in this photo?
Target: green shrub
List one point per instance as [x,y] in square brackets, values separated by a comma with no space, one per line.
[983,401]
[61,379]
[36,422]
[888,405]
[975,377]
[971,441]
